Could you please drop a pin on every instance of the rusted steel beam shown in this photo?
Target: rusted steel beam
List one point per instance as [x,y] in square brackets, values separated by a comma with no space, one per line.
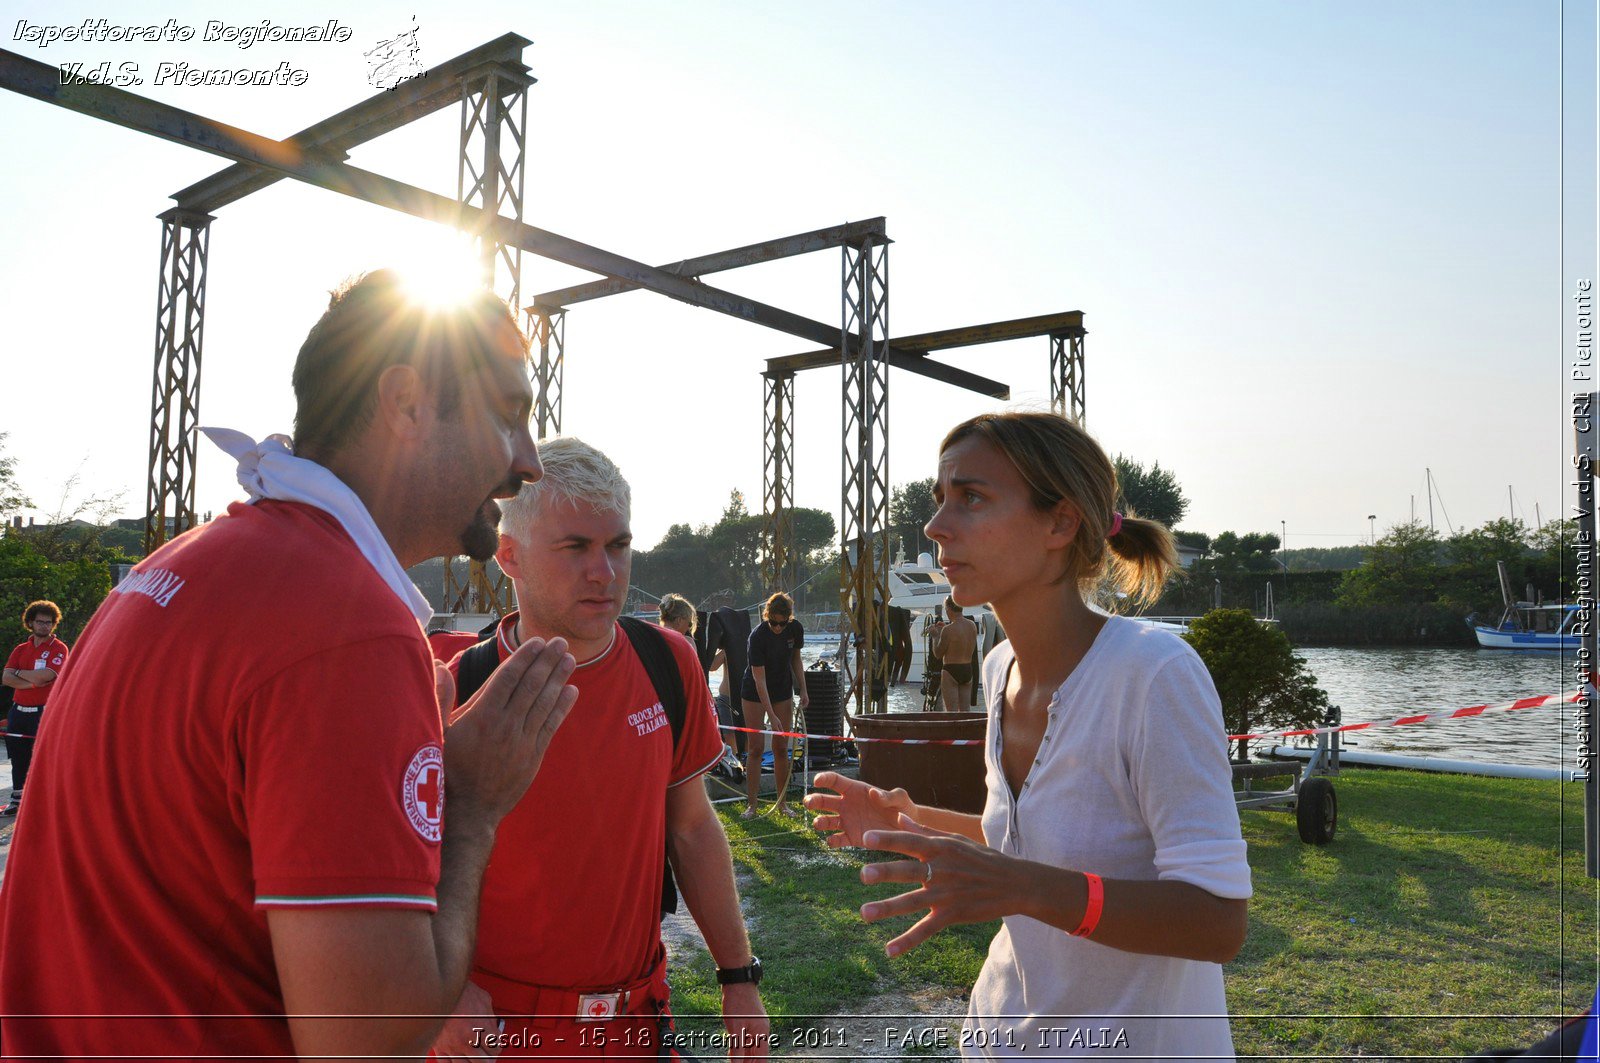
[749,255]
[435,90]
[1044,325]
[972,335]
[911,362]
[32,78]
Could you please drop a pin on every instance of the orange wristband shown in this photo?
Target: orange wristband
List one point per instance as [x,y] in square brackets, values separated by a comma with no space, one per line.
[1091,909]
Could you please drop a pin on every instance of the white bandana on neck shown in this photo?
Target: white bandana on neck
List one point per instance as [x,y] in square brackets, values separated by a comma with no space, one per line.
[269,469]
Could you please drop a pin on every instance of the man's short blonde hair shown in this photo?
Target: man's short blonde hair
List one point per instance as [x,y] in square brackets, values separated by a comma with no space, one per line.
[573,471]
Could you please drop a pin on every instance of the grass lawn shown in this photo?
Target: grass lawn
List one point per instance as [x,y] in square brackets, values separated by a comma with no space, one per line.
[1435,924]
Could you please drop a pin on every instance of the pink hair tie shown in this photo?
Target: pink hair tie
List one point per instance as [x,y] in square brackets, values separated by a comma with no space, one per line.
[1116,525]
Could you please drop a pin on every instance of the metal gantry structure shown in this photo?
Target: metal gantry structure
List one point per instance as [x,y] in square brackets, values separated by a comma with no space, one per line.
[864,470]
[863,505]
[490,85]
[491,167]
[175,392]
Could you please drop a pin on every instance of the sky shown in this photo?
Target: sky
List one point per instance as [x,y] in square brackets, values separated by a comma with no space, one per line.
[1320,248]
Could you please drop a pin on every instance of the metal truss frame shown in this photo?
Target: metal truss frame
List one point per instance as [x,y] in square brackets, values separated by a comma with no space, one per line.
[490,176]
[864,559]
[491,166]
[549,329]
[315,156]
[175,393]
[174,438]
[777,483]
[1067,395]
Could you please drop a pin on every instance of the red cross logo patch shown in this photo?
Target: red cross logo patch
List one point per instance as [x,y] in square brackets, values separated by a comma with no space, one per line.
[422,792]
[598,1007]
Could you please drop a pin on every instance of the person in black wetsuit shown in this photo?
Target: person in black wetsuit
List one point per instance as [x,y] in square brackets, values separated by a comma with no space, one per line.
[767,691]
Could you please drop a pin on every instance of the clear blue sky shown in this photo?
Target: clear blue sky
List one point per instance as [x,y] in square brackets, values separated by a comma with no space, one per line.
[1317,246]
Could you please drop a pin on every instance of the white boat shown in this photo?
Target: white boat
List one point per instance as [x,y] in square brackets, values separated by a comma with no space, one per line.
[1529,625]
[921,587]
[1526,626]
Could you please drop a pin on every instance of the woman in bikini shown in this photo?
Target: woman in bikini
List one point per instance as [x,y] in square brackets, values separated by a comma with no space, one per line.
[1109,843]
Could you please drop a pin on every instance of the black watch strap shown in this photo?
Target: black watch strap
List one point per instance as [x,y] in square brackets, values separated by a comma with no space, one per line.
[750,972]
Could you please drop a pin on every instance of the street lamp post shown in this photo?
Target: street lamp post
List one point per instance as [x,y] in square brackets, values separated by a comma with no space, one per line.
[1372,535]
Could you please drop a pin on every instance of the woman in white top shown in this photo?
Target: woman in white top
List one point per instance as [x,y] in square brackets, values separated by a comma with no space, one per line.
[1109,842]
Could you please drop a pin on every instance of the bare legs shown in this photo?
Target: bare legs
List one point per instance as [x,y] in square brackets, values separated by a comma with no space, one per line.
[781,719]
[953,696]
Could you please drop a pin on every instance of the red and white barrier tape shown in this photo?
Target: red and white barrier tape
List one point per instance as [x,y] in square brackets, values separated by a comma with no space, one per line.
[1400,721]
[1404,721]
[842,738]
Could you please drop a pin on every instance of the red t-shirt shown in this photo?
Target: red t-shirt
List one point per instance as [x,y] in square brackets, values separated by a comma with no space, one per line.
[446,644]
[51,654]
[248,723]
[572,897]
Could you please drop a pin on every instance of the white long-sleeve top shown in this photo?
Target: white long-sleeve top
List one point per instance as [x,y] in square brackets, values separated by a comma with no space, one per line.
[1131,782]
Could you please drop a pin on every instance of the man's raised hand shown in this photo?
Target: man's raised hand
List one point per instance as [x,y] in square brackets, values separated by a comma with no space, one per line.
[496,742]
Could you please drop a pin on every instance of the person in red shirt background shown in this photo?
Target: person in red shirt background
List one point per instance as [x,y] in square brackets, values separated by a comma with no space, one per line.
[30,672]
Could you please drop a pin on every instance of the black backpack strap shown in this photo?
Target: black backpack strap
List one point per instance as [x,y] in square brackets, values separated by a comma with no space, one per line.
[662,668]
[478,663]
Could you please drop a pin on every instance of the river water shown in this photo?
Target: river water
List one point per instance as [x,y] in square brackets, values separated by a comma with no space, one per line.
[1381,684]
[1375,685]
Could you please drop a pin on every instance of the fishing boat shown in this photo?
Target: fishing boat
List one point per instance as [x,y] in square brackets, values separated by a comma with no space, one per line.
[1528,625]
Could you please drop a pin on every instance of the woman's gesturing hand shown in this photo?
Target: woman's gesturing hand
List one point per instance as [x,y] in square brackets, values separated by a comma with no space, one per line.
[958,881]
[855,808]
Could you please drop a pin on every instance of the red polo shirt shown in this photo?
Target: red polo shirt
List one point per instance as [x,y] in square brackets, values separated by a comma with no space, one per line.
[249,722]
[52,654]
[572,897]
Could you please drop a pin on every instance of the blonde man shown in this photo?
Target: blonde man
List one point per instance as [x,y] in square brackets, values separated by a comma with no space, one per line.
[571,913]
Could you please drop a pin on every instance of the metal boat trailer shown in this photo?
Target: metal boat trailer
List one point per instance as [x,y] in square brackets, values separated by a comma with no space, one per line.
[1310,797]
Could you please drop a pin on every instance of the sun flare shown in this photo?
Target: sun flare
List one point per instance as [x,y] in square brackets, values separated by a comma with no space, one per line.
[443,270]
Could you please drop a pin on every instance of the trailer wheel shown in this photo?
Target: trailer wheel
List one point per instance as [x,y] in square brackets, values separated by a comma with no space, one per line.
[1317,811]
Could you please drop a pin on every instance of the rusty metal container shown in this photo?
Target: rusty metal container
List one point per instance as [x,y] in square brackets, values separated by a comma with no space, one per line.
[946,776]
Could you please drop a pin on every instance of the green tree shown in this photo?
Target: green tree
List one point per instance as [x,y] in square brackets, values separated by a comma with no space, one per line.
[814,532]
[912,503]
[911,506]
[1324,558]
[734,545]
[1151,493]
[12,497]
[1401,569]
[1193,540]
[1554,537]
[1232,554]
[1498,540]
[78,586]
[1263,685]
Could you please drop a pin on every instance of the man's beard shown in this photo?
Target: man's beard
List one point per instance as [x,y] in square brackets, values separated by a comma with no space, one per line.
[480,540]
